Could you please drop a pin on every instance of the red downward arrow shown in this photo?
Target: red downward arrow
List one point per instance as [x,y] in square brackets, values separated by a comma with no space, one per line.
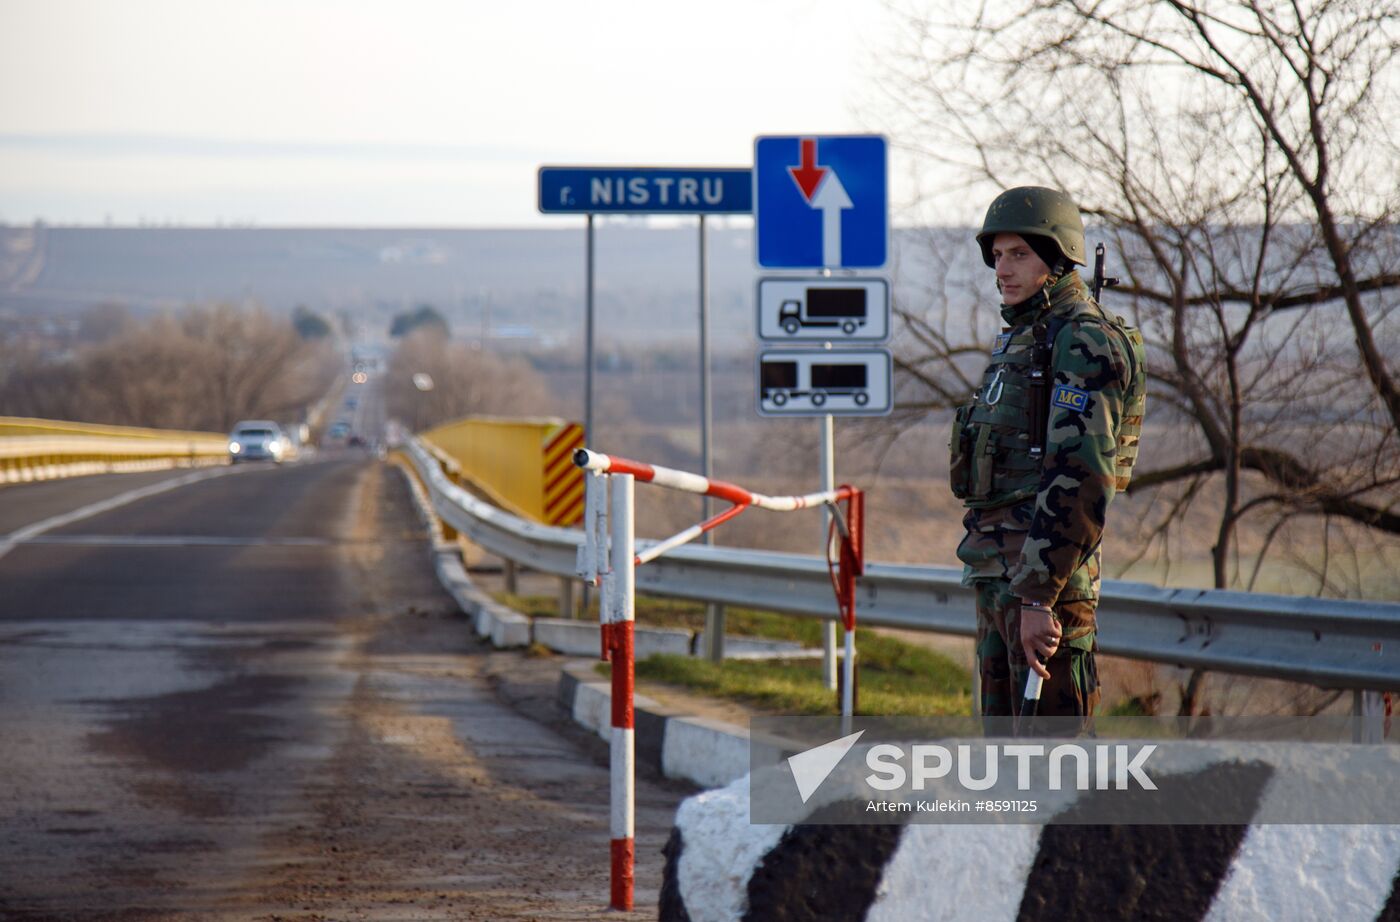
[808,176]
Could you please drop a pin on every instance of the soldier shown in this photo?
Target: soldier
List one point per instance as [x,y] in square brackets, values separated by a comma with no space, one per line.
[1048,438]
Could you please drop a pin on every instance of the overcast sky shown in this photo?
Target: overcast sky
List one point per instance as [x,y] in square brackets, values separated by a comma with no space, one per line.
[412,112]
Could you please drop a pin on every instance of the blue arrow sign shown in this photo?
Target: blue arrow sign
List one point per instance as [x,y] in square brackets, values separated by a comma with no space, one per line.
[645,190]
[821,202]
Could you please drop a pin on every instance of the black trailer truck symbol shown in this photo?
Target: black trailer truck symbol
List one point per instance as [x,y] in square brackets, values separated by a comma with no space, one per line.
[779,382]
[824,307]
[839,380]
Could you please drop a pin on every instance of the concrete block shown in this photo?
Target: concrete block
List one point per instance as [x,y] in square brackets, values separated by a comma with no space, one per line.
[747,645]
[573,638]
[650,640]
[593,708]
[508,628]
[709,752]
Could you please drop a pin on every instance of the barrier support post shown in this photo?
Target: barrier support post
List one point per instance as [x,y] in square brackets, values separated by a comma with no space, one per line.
[851,565]
[620,636]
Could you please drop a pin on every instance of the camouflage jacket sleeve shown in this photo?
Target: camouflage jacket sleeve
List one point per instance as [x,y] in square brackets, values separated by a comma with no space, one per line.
[1087,395]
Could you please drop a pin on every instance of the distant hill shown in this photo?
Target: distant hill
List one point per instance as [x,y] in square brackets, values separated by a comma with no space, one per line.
[522,285]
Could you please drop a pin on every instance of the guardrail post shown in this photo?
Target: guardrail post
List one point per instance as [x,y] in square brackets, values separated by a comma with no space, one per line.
[566,597]
[714,632]
[622,602]
[1368,716]
[510,575]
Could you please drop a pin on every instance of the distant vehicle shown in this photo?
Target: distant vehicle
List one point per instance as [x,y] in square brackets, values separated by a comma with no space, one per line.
[824,307]
[339,430]
[257,440]
[351,402]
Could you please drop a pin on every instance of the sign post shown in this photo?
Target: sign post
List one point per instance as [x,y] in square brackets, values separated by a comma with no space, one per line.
[594,190]
[822,203]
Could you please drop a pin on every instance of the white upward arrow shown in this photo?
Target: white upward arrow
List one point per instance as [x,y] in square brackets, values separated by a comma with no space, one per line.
[810,768]
[832,199]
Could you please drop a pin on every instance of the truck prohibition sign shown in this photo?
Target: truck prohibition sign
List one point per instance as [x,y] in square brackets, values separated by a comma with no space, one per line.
[845,310]
[815,383]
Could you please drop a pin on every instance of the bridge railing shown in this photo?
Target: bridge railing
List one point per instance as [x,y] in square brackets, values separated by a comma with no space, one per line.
[1324,642]
[44,449]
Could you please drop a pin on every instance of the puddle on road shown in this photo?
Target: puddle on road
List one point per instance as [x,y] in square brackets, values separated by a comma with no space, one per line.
[220,728]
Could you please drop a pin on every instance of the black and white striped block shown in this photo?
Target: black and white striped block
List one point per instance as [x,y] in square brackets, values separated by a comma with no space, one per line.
[722,868]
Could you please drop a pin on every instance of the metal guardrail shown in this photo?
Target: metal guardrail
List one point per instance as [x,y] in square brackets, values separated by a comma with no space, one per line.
[1324,642]
[40,449]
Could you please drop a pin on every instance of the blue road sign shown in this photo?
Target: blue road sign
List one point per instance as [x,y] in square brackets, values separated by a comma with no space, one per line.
[645,190]
[821,202]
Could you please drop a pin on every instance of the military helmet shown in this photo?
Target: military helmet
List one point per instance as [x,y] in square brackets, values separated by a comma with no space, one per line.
[1037,211]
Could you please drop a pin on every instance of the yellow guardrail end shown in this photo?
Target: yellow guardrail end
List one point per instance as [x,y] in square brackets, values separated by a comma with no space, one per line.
[523,465]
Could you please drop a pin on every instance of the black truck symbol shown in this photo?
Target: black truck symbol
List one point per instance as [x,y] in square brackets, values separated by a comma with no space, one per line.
[824,307]
[778,382]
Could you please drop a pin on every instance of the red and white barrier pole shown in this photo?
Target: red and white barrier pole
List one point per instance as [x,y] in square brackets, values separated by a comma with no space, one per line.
[616,545]
[693,483]
[620,629]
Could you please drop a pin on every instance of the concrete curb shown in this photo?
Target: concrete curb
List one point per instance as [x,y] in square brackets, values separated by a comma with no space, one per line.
[709,753]
[505,627]
[706,752]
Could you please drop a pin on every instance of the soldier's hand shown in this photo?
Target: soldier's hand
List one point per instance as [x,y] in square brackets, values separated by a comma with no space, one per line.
[1040,637]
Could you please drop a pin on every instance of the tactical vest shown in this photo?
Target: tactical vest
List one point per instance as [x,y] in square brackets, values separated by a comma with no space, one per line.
[991,462]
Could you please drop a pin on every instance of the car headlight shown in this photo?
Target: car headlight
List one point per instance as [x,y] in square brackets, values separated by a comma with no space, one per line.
[234,448]
[274,445]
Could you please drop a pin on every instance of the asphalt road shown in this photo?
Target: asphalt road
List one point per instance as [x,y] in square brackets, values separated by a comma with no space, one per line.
[246,697]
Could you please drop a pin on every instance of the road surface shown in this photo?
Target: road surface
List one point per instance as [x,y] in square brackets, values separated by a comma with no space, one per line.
[246,697]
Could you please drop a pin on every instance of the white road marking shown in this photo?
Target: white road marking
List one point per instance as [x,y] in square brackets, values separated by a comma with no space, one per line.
[8,542]
[173,541]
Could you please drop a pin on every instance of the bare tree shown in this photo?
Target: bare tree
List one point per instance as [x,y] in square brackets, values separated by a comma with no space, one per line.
[1235,154]
[1241,158]
[203,368]
[466,381]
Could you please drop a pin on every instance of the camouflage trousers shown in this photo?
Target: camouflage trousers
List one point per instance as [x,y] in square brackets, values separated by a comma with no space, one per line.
[1073,687]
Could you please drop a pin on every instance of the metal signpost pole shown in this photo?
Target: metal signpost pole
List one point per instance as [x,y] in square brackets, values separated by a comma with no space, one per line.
[828,482]
[587,365]
[588,437]
[714,613]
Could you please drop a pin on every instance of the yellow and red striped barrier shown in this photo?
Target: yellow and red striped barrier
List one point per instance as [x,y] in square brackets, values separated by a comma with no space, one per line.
[563,488]
[524,465]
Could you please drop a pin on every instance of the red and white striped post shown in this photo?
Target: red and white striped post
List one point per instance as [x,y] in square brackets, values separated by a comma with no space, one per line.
[622,616]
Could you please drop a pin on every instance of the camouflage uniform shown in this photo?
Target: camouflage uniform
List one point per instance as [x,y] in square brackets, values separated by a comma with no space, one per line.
[1033,527]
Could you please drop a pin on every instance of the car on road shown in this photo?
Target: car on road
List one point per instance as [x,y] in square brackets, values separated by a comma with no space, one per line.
[258,440]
